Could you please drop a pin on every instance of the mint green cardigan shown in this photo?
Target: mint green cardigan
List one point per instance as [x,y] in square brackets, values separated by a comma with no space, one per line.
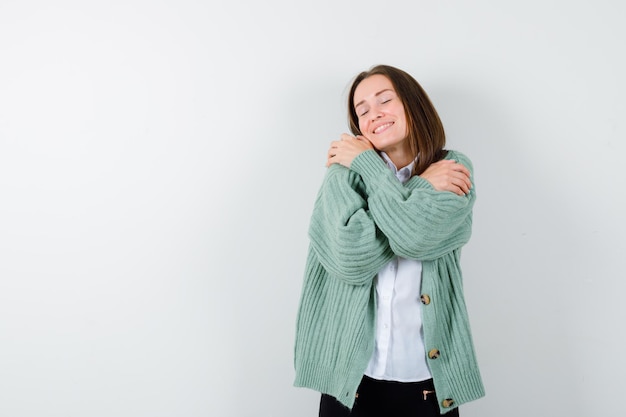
[362,218]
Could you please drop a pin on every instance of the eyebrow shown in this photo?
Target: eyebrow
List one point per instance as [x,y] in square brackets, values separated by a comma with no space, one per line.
[376,95]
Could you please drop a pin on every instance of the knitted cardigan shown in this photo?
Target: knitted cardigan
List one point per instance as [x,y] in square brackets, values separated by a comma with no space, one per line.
[362,218]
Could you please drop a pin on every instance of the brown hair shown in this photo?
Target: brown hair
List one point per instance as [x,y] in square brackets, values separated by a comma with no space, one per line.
[424,128]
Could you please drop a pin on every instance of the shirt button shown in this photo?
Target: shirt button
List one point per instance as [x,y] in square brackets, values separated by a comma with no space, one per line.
[447,403]
[434,353]
[425,299]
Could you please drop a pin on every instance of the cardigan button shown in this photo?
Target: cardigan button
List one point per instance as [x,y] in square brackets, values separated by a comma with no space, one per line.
[425,299]
[434,353]
[447,403]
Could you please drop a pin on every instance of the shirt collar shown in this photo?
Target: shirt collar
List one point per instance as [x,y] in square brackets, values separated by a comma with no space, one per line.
[403,174]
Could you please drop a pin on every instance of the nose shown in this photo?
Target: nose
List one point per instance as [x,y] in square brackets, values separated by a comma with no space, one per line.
[376,113]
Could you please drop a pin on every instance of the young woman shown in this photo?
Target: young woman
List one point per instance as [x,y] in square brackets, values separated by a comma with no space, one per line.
[382,328]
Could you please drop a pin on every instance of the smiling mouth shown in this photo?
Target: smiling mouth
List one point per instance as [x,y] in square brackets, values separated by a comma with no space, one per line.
[382,128]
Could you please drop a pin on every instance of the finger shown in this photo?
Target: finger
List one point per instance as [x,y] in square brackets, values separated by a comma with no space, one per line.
[453,188]
[458,180]
[464,181]
[458,187]
[468,182]
[463,187]
[461,173]
[462,168]
[455,185]
[345,136]
[466,185]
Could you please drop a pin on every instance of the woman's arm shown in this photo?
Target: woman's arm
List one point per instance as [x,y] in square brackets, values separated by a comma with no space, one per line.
[420,222]
[343,234]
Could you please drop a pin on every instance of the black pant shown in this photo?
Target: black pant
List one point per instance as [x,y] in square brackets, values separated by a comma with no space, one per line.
[388,399]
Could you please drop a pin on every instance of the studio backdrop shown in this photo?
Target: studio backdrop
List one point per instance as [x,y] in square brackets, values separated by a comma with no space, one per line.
[159,161]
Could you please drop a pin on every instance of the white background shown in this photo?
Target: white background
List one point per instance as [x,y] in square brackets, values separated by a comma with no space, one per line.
[159,161]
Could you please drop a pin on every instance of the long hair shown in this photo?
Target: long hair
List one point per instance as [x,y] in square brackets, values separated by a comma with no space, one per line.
[424,128]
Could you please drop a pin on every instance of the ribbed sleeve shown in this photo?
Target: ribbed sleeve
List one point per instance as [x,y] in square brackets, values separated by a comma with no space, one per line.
[419,222]
[343,234]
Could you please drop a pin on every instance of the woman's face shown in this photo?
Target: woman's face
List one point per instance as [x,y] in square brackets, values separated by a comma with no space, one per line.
[381,114]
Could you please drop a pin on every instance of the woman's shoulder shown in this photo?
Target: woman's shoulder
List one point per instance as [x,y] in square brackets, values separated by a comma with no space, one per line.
[339,172]
[339,179]
[459,157]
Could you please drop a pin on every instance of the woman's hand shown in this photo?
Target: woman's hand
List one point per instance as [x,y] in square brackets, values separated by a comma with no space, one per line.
[344,151]
[448,175]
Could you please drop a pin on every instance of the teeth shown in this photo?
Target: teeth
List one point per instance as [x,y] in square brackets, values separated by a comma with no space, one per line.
[379,128]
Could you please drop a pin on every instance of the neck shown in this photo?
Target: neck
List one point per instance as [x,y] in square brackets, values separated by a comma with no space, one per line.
[400,157]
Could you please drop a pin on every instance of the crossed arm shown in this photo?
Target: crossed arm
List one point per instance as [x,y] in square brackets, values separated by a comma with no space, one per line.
[444,175]
[364,216]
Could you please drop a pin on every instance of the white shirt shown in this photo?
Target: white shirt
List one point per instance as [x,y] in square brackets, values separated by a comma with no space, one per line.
[399,354]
